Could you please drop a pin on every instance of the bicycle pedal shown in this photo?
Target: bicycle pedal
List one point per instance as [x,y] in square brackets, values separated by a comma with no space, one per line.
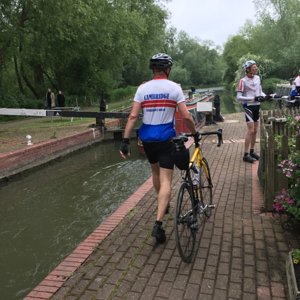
[201,209]
[212,206]
[194,226]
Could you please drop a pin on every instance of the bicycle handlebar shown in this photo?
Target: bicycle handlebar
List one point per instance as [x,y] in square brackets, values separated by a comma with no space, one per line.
[219,133]
[281,97]
[183,137]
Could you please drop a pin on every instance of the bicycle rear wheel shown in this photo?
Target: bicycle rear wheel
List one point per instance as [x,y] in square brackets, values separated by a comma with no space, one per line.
[185,223]
[206,187]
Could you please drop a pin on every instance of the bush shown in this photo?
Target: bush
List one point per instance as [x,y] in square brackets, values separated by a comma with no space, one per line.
[19,101]
[8,102]
[229,104]
[74,100]
[122,93]
[31,103]
[269,85]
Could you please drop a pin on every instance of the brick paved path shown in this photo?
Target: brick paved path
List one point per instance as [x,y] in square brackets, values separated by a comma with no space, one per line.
[240,252]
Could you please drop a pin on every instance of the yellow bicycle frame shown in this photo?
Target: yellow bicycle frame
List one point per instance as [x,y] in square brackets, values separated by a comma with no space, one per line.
[197,157]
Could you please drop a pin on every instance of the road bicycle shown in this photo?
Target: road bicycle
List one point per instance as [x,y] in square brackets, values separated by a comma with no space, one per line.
[194,200]
[286,101]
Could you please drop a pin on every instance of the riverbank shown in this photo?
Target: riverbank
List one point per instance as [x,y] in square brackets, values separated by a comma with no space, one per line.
[18,161]
[51,138]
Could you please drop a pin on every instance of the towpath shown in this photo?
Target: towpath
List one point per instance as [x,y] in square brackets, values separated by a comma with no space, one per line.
[240,252]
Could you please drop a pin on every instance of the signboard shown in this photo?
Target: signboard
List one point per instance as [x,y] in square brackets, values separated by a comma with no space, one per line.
[204,106]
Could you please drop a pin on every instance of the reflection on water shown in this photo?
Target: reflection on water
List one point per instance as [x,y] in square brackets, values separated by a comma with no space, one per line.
[45,215]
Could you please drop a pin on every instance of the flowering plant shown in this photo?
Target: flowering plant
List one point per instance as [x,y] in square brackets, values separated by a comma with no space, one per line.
[294,124]
[288,200]
[296,256]
[288,167]
[283,201]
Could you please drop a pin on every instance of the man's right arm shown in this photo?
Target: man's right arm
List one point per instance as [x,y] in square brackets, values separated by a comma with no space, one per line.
[124,148]
[187,117]
[134,114]
[239,93]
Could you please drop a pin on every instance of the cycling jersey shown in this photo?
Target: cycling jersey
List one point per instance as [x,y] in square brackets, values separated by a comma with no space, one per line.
[159,98]
[297,80]
[248,89]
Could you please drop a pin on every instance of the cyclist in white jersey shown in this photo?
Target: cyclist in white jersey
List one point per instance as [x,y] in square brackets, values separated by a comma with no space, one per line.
[297,83]
[250,94]
[158,98]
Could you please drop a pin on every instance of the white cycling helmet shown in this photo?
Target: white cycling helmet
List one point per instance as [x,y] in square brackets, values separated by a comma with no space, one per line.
[160,61]
[248,64]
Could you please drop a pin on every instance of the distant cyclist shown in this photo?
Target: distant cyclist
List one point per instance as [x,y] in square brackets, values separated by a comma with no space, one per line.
[158,98]
[250,94]
[297,83]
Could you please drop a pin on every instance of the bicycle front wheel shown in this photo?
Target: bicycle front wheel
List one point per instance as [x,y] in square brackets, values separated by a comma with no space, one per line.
[206,187]
[185,223]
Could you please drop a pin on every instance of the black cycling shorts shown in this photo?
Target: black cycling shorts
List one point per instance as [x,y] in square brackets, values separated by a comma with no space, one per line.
[252,113]
[160,152]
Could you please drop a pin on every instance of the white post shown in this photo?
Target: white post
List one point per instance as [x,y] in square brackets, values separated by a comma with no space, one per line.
[28,137]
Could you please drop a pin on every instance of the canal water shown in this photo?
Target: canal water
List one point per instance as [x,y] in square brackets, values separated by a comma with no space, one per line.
[44,215]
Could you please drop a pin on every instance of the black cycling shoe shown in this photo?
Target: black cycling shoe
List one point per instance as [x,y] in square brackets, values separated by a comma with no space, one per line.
[254,155]
[249,159]
[159,233]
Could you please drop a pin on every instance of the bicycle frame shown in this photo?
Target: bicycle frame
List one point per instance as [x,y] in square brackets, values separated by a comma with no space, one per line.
[196,159]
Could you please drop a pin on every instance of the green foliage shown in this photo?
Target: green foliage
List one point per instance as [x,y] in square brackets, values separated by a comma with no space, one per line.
[81,47]
[87,48]
[19,101]
[196,63]
[275,38]
[9,102]
[180,75]
[235,48]
[296,256]
[121,94]
[81,101]
[269,85]
[228,103]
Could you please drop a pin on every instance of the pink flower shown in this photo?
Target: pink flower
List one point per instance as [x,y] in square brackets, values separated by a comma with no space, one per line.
[288,167]
[283,201]
[278,207]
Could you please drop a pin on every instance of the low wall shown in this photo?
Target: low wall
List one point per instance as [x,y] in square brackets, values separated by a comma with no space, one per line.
[14,162]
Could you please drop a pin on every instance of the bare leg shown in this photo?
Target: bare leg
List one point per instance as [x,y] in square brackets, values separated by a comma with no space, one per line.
[249,136]
[253,138]
[162,179]
[155,176]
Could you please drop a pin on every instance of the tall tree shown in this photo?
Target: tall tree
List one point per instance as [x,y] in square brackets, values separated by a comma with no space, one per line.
[234,48]
[278,34]
[80,46]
